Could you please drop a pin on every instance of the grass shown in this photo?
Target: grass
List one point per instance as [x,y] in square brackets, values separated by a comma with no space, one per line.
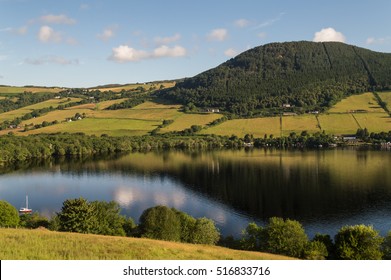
[183,121]
[95,126]
[28,109]
[365,102]
[23,244]
[386,97]
[240,127]
[338,123]
[8,90]
[146,86]
[375,122]
[299,123]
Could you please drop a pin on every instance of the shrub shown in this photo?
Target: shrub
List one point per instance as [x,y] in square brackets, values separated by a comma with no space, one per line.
[285,237]
[160,222]
[386,247]
[205,232]
[315,250]
[9,216]
[359,242]
[77,215]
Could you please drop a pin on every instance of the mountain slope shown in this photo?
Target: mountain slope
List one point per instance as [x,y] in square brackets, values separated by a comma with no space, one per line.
[305,74]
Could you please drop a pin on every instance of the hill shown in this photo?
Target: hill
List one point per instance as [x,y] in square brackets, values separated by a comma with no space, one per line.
[43,244]
[306,75]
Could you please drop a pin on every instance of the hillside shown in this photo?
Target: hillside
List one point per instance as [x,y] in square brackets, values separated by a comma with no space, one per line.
[43,244]
[306,75]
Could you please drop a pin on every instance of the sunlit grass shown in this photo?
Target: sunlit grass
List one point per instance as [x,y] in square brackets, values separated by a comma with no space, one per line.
[22,244]
[365,102]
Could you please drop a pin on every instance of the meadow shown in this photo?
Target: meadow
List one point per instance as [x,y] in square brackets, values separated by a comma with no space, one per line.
[386,97]
[345,117]
[8,90]
[41,244]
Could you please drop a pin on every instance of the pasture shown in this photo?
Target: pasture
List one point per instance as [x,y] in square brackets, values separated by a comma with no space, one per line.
[145,86]
[8,90]
[365,102]
[10,115]
[386,97]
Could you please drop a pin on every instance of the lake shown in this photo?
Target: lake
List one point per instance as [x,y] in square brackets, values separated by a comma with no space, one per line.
[323,189]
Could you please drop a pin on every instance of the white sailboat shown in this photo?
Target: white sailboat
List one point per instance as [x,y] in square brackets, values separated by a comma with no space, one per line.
[26,210]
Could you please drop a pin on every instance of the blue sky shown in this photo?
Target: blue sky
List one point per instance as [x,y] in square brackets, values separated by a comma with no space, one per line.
[87,43]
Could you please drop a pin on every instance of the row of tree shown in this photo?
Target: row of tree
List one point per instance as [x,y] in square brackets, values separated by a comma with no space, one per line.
[279,236]
[287,237]
[104,218]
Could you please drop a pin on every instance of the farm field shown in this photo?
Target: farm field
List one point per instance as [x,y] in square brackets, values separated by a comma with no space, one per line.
[386,97]
[94,126]
[183,121]
[338,123]
[146,86]
[10,115]
[375,122]
[240,127]
[362,102]
[6,90]
[299,123]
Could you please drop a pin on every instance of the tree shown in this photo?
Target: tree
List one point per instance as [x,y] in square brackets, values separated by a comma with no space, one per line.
[285,237]
[205,232]
[107,218]
[386,247]
[253,238]
[315,250]
[160,222]
[359,242]
[33,221]
[77,215]
[9,216]
[187,225]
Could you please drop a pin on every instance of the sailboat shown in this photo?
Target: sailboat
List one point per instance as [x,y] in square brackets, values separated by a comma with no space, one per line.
[26,210]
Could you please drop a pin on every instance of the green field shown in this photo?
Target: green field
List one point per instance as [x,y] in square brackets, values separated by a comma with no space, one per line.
[28,109]
[386,97]
[358,111]
[240,127]
[41,244]
[6,90]
[94,126]
[145,86]
[362,102]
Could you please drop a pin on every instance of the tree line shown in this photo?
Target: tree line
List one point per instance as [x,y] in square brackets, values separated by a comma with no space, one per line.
[278,236]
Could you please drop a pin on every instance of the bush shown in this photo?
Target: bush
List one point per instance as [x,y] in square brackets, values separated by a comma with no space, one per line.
[160,222]
[359,242]
[107,218]
[9,216]
[285,237]
[33,221]
[386,247]
[253,238]
[205,232]
[315,250]
[77,215]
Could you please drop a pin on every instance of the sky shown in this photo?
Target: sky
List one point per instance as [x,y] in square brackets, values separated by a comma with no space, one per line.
[85,43]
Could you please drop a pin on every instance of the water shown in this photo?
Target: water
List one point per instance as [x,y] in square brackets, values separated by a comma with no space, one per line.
[324,190]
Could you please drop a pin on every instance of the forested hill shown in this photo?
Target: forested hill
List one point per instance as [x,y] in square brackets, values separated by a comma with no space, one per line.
[307,75]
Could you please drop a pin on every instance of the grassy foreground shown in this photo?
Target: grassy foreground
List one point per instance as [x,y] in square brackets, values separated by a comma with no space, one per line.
[43,244]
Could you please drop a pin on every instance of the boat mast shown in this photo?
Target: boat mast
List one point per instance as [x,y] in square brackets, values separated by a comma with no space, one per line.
[27,202]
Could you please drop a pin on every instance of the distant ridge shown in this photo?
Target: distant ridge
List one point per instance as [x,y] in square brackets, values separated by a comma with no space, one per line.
[306,75]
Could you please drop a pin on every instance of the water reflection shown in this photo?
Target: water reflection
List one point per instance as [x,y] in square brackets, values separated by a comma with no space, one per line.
[322,189]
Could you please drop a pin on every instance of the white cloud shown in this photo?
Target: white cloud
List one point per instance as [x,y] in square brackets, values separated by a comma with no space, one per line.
[262,35]
[51,60]
[107,33]
[164,51]
[270,21]
[124,53]
[241,23]
[47,34]
[231,52]
[19,31]
[219,34]
[57,19]
[377,41]
[329,35]
[167,40]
